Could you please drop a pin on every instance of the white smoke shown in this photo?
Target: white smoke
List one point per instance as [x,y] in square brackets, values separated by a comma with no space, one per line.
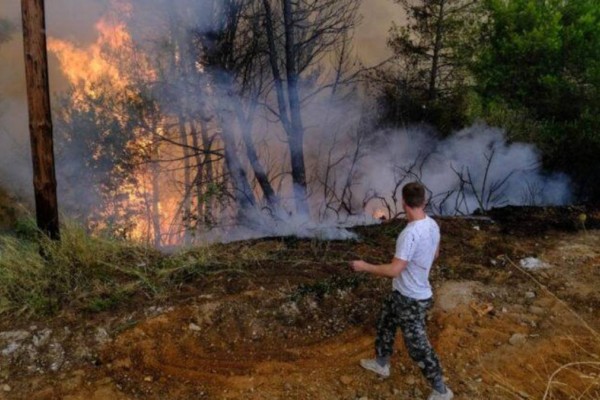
[15,156]
[64,19]
[493,172]
[475,168]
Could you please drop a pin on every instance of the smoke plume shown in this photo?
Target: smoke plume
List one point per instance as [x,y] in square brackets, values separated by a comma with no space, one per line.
[473,169]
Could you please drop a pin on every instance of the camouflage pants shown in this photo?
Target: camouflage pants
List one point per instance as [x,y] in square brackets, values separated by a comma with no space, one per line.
[409,314]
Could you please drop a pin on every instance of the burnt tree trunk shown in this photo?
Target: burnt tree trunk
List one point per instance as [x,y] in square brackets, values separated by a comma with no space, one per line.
[292,123]
[40,119]
[241,187]
[259,172]
[187,177]
[155,182]
[156,207]
[208,198]
[296,134]
[199,171]
[273,59]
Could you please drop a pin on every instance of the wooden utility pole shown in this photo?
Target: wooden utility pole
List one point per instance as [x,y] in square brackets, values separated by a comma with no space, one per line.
[40,119]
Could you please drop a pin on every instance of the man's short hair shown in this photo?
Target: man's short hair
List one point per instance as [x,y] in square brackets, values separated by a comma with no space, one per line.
[414,194]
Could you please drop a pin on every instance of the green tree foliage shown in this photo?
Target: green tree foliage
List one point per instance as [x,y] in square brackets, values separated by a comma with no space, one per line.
[543,57]
[429,80]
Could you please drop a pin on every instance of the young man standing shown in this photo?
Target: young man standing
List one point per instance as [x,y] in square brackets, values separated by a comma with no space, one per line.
[416,249]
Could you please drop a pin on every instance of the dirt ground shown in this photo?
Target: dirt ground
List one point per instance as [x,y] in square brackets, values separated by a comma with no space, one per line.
[296,325]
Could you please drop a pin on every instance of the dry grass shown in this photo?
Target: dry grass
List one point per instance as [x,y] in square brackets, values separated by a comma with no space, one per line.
[577,379]
[585,370]
[90,273]
[39,276]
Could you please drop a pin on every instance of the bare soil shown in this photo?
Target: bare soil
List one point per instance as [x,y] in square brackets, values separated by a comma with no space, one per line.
[296,325]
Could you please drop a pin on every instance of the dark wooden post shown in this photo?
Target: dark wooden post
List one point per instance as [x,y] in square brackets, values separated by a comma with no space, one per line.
[40,119]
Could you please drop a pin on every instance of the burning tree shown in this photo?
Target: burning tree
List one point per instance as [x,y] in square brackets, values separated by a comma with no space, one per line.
[178,113]
[178,124]
[145,134]
[110,132]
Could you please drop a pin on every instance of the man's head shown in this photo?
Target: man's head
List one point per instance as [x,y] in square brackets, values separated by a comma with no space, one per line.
[413,195]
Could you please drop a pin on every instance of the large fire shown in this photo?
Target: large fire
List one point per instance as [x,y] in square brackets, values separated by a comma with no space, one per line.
[83,67]
[113,58]
[179,129]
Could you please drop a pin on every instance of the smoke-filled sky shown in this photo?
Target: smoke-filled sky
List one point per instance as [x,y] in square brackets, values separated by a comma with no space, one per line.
[74,21]
[70,19]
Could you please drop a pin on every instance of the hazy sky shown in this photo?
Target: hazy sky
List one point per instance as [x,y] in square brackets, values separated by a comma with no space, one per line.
[71,20]
[74,20]
[371,36]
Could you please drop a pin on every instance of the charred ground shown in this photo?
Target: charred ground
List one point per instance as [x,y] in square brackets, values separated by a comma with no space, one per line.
[286,318]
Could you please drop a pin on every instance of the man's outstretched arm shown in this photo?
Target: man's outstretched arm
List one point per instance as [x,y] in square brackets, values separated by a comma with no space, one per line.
[391,270]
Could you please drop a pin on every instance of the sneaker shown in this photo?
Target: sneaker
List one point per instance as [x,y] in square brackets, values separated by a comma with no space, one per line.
[435,395]
[372,365]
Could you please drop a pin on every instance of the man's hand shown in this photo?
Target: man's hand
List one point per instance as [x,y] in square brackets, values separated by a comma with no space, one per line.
[358,265]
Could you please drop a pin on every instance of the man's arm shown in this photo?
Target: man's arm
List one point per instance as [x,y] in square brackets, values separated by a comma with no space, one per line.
[391,270]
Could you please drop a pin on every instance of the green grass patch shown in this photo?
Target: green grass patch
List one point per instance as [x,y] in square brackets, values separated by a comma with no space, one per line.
[39,276]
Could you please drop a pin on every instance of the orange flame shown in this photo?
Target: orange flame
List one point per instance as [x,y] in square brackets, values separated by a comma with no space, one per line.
[113,58]
[380,213]
[86,66]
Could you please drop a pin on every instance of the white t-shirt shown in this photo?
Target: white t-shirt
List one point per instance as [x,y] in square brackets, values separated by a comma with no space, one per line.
[417,244]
